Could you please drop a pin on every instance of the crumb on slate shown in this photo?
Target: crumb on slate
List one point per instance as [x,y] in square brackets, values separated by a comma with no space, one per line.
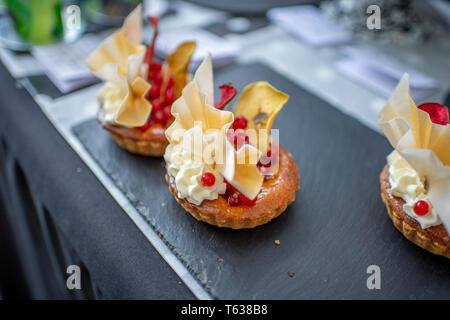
[291,274]
[221,260]
[277,242]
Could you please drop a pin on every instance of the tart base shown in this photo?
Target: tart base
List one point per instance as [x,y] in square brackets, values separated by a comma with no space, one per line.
[276,194]
[151,142]
[435,239]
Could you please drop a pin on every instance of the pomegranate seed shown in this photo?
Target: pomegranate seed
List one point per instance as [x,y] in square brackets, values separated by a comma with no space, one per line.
[154,91]
[240,123]
[157,104]
[167,113]
[169,96]
[421,208]
[208,179]
[438,113]
[158,116]
[170,83]
[155,77]
[233,199]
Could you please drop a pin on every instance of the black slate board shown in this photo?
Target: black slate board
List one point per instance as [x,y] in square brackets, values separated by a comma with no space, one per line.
[335,229]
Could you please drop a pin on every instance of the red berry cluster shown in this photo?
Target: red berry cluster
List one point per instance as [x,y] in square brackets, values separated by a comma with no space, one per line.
[237,136]
[161,96]
[264,163]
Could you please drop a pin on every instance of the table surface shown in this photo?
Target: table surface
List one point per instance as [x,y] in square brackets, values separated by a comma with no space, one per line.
[130,249]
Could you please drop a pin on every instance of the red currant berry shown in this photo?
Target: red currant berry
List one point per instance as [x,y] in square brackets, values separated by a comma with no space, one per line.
[234,199]
[240,123]
[208,179]
[169,96]
[167,113]
[170,83]
[154,91]
[155,77]
[158,116]
[157,104]
[156,66]
[421,208]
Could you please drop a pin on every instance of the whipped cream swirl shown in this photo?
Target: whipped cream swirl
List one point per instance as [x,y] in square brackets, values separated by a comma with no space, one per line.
[188,173]
[110,98]
[408,185]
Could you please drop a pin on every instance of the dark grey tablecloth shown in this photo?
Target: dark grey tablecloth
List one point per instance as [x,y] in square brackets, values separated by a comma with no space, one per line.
[54,213]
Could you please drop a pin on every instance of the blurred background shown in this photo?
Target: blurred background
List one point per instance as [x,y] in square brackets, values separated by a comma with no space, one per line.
[351,53]
[368,43]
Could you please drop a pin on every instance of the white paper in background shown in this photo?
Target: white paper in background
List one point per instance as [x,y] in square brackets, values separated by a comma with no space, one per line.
[155,7]
[64,63]
[381,73]
[222,50]
[20,65]
[308,23]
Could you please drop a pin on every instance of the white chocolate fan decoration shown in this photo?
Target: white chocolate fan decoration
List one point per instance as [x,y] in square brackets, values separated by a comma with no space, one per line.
[423,144]
[199,123]
[118,61]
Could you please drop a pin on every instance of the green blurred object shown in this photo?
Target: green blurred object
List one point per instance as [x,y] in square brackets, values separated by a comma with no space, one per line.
[37,21]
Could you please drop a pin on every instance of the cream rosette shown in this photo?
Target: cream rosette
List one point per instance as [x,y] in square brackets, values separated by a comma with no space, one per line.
[422,143]
[200,128]
[118,62]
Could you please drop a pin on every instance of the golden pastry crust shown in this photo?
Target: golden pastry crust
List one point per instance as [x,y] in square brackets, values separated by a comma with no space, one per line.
[276,194]
[434,239]
[151,142]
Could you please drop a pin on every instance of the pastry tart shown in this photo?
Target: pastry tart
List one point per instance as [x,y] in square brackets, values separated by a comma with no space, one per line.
[415,183]
[226,168]
[139,90]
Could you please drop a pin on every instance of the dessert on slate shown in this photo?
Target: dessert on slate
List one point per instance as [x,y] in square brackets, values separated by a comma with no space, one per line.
[415,183]
[139,90]
[227,169]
